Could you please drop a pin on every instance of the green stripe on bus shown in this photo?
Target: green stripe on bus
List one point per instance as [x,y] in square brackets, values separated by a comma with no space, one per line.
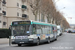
[41,23]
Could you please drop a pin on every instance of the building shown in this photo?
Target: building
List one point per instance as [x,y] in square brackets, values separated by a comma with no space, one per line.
[3,18]
[11,10]
[72,26]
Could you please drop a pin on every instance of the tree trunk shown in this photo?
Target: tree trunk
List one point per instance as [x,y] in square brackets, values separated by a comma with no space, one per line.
[39,15]
[36,16]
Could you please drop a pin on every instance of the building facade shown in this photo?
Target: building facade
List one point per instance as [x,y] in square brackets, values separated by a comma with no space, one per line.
[11,10]
[3,19]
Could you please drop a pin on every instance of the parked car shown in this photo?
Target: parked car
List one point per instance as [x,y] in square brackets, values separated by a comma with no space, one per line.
[70,30]
[59,30]
[65,30]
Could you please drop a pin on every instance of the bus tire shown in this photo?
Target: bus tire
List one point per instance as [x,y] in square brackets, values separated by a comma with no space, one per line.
[19,44]
[48,41]
[56,39]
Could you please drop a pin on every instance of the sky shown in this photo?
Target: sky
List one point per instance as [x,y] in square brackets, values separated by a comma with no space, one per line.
[67,8]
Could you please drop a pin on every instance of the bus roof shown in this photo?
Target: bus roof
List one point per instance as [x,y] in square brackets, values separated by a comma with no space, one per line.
[37,22]
[42,23]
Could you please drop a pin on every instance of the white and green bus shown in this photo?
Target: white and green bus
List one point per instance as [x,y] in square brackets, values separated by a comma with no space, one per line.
[32,32]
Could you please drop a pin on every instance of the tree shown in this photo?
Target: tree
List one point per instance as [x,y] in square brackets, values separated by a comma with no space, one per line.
[35,7]
[48,9]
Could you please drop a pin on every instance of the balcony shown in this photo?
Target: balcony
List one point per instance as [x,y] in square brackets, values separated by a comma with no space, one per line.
[0,12]
[24,16]
[24,7]
[4,23]
[4,13]
[23,0]
[4,2]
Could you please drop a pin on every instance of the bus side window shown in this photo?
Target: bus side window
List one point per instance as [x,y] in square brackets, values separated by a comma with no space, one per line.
[43,29]
[52,28]
[34,29]
[38,29]
[34,25]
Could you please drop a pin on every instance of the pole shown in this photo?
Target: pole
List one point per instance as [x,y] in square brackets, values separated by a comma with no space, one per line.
[9,40]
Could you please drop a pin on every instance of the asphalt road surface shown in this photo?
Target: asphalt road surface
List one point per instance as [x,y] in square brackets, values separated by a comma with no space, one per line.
[64,42]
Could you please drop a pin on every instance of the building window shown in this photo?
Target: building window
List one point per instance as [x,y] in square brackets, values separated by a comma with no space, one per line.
[4,12]
[17,4]
[24,15]
[17,14]
[0,21]
[0,17]
[23,6]
[0,8]
[4,23]
[4,2]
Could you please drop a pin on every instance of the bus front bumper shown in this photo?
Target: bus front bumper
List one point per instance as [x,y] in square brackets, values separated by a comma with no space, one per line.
[23,41]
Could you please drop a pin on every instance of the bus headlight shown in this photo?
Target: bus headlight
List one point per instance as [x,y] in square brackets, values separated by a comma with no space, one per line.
[12,37]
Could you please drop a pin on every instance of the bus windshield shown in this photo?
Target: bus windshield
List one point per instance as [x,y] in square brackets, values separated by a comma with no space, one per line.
[21,30]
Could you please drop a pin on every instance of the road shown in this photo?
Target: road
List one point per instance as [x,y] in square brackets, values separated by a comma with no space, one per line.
[64,42]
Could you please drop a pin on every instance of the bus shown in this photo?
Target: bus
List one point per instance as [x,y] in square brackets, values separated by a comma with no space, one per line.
[32,32]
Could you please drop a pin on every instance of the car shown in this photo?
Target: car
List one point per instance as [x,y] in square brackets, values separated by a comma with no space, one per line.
[59,30]
[71,30]
[65,30]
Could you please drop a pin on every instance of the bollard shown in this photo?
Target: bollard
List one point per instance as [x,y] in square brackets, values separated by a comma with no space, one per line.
[9,40]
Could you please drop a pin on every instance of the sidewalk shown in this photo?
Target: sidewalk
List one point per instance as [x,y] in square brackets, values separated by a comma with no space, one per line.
[4,41]
[4,45]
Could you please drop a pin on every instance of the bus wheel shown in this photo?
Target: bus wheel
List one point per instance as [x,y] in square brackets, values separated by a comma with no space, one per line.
[19,44]
[55,39]
[48,41]
[38,42]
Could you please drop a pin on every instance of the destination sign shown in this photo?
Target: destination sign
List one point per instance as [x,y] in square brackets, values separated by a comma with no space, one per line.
[21,22]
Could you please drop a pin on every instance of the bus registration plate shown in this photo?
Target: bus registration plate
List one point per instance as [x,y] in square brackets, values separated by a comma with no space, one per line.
[21,37]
